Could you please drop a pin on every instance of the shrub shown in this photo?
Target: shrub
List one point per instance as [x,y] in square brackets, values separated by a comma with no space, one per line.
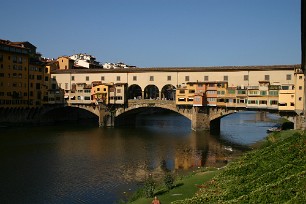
[149,187]
[169,180]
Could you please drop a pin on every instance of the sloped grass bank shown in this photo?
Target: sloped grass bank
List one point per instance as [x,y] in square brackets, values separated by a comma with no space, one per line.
[183,188]
[274,173]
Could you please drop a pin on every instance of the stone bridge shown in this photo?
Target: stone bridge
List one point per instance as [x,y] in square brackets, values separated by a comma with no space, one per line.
[204,118]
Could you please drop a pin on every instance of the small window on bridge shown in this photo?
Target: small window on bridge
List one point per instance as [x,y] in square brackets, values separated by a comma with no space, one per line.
[246,77]
[190,99]
[273,102]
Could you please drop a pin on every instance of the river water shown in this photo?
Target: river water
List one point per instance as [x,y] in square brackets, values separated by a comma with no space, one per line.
[87,164]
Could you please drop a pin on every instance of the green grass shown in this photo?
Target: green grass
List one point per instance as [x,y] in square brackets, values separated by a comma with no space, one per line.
[184,188]
[275,173]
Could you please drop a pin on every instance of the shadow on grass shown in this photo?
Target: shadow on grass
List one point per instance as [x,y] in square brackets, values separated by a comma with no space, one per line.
[163,191]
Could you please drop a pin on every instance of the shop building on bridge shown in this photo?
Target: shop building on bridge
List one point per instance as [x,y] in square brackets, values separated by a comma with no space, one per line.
[279,88]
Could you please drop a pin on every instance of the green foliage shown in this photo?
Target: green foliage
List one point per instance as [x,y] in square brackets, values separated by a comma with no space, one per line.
[275,173]
[149,187]
[168,180]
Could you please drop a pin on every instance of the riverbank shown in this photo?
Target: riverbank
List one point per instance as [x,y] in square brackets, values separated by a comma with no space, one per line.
[274,171]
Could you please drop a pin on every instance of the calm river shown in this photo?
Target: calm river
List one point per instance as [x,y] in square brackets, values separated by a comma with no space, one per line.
[87,164]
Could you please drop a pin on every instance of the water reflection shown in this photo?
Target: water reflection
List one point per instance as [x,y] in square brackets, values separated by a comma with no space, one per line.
[72,164]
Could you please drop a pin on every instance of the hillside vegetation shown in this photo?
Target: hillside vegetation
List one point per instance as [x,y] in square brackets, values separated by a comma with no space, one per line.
[274,173]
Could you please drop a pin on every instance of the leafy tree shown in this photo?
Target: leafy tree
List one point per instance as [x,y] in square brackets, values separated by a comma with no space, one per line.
[169,180]
[149,187]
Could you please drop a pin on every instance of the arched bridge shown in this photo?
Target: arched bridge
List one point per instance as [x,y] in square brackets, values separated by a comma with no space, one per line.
[201,118]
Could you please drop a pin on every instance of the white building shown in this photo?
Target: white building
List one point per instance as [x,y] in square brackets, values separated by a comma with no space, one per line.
[118,65]
[85,60]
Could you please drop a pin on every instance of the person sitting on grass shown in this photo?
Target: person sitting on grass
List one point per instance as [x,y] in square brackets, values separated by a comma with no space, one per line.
[156,201]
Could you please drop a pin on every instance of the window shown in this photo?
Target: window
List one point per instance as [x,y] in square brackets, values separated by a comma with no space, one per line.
[87,78]
[211,99]
[253,92]
[300,98]
[102,78]
[267,77]
[205,78]
[288,77]
[231,91]
[134,78]
[72,78]
[246,77]
[118,90]
[241,92]
[211,92]
[263,93]
[168,78]
[186,78]
[182,91]
[273,102]
[225,78]
[300,77]
[151,78]
[118,78]
[273,93]
[291,104]
[300,88]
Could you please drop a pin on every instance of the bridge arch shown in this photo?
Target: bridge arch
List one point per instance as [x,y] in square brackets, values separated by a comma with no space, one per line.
[70,113]
[129,118]
[151,91]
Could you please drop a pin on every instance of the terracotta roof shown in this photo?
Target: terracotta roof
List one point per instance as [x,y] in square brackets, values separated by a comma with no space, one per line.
[183,69]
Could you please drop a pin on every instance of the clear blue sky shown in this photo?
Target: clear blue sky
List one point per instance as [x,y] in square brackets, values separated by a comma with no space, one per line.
[159,33]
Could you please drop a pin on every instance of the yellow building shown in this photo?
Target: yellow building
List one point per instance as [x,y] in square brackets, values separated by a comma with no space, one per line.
[13,75]
[221,93]
[185,94]
[22,74]
[65,62]
[299,91]
[99,93]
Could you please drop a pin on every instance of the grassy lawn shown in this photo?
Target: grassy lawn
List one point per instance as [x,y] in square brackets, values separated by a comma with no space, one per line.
[184,188]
